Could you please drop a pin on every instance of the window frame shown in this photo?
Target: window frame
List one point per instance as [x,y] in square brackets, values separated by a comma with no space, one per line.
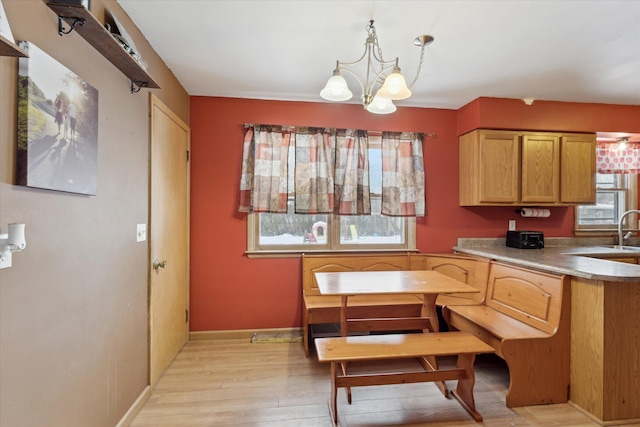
[627,183]
[254,249]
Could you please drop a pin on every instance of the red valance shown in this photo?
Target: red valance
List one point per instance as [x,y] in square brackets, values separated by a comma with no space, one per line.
[614,158]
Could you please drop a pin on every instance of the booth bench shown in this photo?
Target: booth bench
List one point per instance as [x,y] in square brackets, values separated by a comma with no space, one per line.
[523,314]
[525,317]
[321,309]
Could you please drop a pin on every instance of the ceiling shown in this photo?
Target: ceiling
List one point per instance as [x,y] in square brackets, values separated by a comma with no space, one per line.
[574,50]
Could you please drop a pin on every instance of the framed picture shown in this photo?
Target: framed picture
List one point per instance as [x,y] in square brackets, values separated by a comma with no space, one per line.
[57,126]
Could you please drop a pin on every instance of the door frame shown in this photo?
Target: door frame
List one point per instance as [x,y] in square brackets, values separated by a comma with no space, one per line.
[155,102]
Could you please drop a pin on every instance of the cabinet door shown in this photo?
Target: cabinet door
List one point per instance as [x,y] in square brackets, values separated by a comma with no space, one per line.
[578,168]
[499,167]
[540,168]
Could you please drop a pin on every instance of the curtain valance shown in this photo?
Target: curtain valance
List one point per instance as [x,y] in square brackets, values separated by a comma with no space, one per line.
[613,158]
[331,172]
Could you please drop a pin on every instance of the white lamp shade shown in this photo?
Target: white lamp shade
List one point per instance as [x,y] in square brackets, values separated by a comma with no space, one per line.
[381,105]
[336,89]
[394,87]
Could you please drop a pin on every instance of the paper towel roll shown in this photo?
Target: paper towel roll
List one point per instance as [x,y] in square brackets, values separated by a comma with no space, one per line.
[535,213]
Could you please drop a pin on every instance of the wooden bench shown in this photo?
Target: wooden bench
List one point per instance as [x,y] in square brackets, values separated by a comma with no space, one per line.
[319,309]
[340,350]
[525,317]
[472,271]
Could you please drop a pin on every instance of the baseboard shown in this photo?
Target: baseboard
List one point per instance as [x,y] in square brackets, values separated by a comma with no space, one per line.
[629,421]
[128,417]
[237,333]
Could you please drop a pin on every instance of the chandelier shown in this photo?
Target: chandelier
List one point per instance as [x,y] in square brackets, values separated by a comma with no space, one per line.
[383,75]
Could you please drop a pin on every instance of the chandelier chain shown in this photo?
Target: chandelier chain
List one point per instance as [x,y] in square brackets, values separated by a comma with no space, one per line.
[419,66]
[376,44]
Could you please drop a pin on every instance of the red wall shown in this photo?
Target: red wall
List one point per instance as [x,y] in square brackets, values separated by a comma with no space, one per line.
[230,291]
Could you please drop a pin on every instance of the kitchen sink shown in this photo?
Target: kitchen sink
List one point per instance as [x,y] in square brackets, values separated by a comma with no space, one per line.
[624,248]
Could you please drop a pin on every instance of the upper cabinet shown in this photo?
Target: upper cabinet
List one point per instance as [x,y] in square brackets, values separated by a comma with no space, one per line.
[578,168]
[504,168]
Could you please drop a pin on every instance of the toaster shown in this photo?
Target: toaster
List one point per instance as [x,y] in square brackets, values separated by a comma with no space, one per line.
[525,239]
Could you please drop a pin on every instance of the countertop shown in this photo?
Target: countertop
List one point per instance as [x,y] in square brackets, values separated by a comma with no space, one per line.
[589,262]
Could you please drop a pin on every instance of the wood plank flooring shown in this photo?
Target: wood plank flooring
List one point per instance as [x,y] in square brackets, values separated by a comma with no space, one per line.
[236,383]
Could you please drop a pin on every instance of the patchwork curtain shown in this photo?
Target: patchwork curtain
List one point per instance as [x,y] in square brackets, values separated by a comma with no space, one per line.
[263,184]
[331,171]
[611,158]
[402,174]
[314,171]
[352,173]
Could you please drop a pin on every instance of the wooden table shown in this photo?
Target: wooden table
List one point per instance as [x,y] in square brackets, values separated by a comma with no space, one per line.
[428,283]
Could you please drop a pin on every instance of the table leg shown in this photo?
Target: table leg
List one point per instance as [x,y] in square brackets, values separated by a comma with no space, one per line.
[429,311]
[344,332]
[343,316]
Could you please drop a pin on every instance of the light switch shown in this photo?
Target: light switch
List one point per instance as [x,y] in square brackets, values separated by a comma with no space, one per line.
[141,233]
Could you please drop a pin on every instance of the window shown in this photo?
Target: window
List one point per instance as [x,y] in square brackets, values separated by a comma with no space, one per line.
[291,233]
[615,194]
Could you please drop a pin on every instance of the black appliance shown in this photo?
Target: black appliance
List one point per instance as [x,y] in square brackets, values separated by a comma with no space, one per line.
[525,239]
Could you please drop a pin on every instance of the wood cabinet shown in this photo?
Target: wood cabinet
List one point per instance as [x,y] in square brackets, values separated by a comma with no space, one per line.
[578,168]
[605,349]
[503,168]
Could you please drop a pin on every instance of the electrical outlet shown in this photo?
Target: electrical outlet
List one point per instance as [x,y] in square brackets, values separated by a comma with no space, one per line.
[512,224]
[141,233]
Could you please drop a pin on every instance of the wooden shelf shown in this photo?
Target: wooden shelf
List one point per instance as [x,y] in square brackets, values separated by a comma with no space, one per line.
[98,37]
[8,48]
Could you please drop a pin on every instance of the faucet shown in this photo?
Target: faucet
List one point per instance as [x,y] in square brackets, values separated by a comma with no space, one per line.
[620,221]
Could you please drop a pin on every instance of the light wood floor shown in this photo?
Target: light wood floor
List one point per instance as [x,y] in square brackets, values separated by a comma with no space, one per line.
[237,383]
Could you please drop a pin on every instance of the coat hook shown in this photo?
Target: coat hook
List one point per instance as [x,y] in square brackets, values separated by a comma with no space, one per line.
[76,21]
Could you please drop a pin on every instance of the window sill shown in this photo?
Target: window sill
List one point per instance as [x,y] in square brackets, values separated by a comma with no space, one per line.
[298,253]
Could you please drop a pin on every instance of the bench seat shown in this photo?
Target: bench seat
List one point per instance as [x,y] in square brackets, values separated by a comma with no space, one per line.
[398,346]
[422,346]
[333,301]
[525,318]
[500,325]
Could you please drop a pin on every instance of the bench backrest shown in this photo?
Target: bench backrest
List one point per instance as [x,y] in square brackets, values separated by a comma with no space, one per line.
[472,271]
[534,298]
[465,269]
[330,263]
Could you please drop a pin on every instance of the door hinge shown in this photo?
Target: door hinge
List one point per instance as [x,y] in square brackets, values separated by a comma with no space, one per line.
[186,313]
[187,155]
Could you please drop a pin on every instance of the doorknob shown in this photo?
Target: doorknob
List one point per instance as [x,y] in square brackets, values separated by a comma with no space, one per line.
[157,264]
